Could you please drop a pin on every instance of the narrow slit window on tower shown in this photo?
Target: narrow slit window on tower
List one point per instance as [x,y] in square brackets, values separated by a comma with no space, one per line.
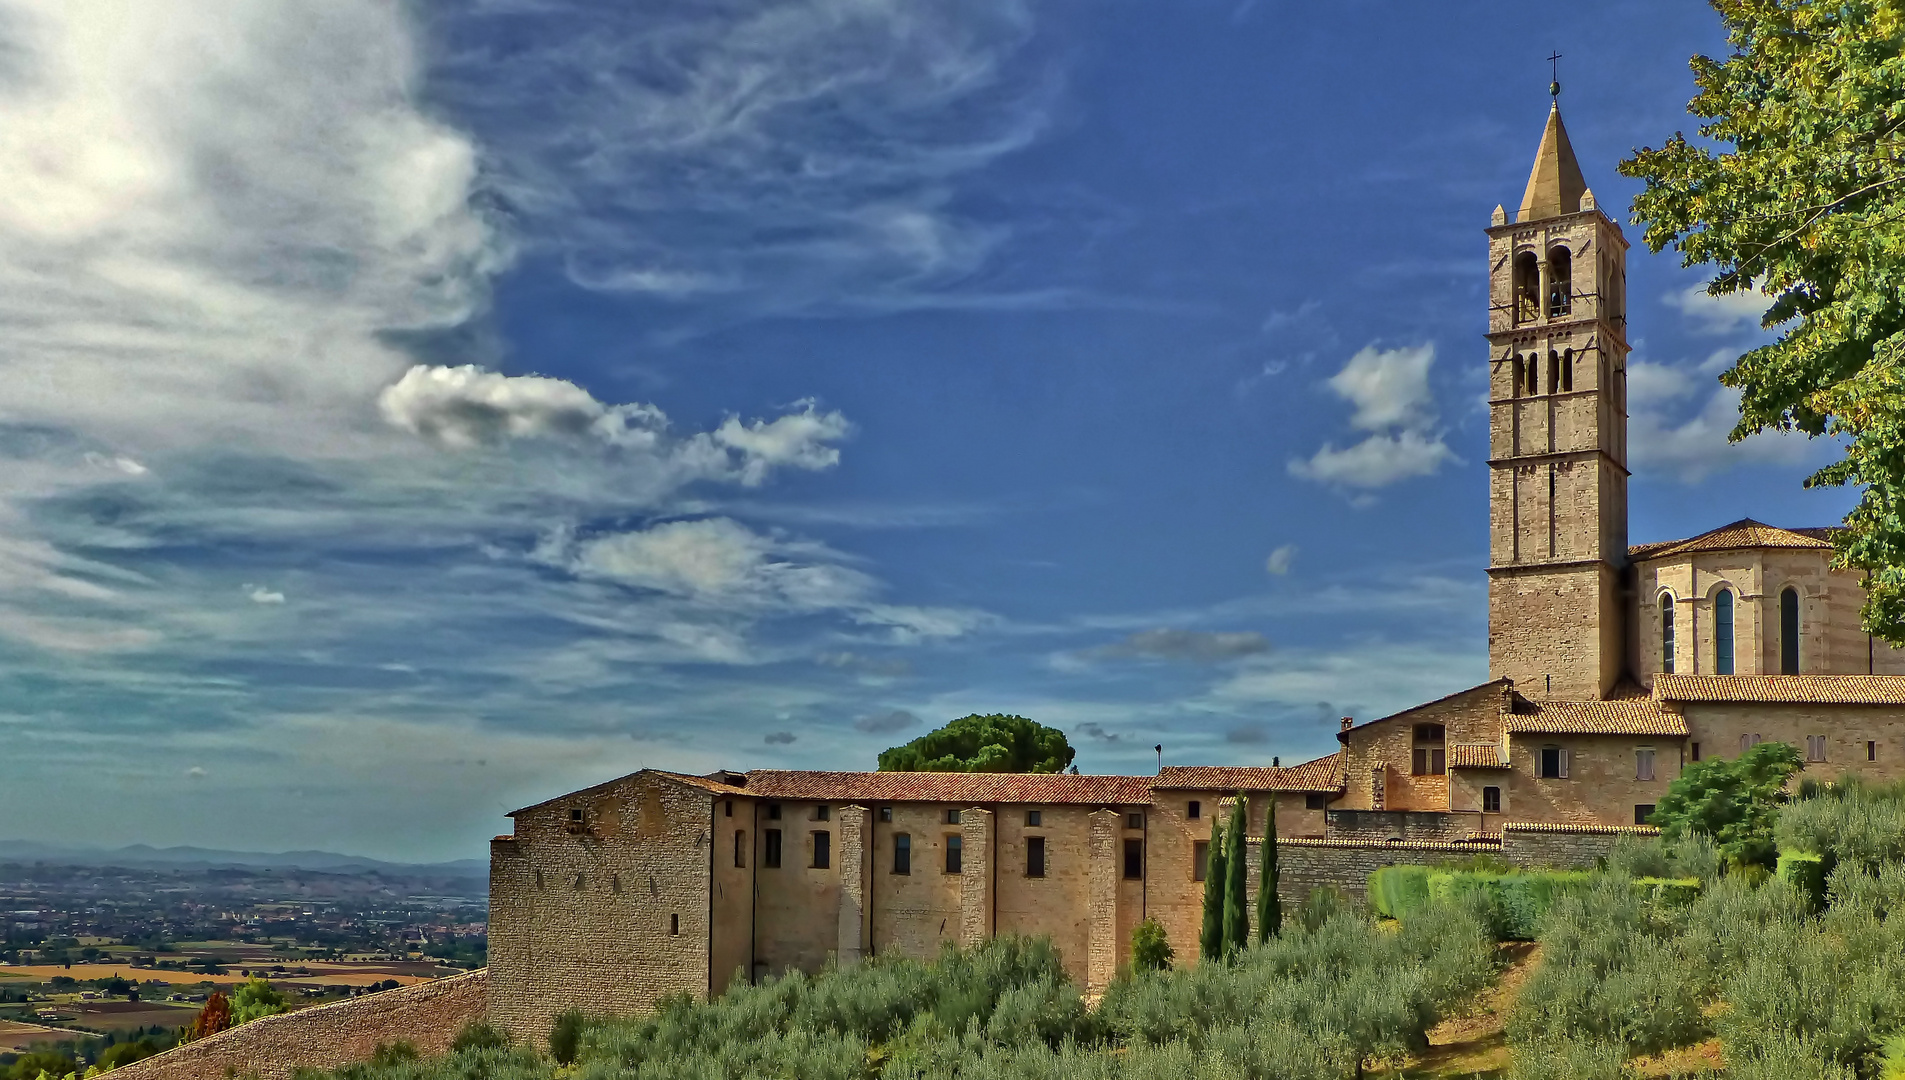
[1531,373]
[1035,856]
[1560,282]
[1723,632]
[1567,370]
[1554,371]
[1789,631]
[740,847]
[1666,634]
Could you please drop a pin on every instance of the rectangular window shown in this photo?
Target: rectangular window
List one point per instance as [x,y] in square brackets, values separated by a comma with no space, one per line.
[1696,751]
[1133,859]
[1815,748]
[1550,768]
[1195,810]
[1316,801]
[1491,800]
[1871,750]
[823,849]
[773,811]
[771,849]
[1642,812]
[886,813]
[1033,819]
[952,817]
[902,853]
[740,847]
[1134,821]
[821,813]
[727,808]
[674,925]
[1035,856]
[1644,763]
[1200,859]
[953,863]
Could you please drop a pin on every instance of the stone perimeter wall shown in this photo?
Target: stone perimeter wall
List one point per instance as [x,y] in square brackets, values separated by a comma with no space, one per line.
[426,1015]
[1303,865]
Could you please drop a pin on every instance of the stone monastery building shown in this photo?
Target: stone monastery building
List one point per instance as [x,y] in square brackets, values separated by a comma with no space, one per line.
[1613,666]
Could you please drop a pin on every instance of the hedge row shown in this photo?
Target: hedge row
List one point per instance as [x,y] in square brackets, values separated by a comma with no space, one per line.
[1520,900]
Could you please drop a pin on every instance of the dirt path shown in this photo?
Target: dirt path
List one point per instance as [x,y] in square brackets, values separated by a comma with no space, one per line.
[1473,1044]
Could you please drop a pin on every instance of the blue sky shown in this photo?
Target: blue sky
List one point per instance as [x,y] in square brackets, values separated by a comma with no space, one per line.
[416,411]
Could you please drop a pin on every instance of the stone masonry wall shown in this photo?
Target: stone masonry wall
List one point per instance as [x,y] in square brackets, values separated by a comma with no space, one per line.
[426,1015]
[1564,848]
[1382,825]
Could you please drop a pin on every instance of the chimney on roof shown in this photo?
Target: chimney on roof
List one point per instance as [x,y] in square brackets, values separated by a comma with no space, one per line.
[1276,763]
[1348,722]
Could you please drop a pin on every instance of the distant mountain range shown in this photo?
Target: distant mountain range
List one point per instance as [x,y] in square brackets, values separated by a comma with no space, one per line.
[147,855]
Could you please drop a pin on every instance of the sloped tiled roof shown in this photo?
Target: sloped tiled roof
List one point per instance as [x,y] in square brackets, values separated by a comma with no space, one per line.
[967,788]
[1323,774]
[1784,689]
[1744,533]
[1631,716]
[713,787]
[1476,756]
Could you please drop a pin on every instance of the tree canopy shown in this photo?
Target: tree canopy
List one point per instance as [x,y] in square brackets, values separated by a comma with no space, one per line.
[1802,197]
[1735,802]
[991,743]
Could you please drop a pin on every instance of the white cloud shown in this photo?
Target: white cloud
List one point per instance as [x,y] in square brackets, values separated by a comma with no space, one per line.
[1695,447]
[1196,646]
[261,595]
[1377,461]
[1280,560]
[1389,387]
[1720,315]
[776,156]
[1390,390]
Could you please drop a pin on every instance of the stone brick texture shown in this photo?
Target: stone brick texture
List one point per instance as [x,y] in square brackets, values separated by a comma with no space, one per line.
[426,1015]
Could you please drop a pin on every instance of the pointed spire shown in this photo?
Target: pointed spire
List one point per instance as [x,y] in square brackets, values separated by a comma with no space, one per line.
[1555,185]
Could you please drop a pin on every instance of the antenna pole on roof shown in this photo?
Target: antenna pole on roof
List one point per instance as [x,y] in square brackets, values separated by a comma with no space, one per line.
[1160,749]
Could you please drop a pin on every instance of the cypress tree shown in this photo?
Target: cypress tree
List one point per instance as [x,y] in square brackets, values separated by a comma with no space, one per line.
[1237,879]
[1210,942]
[1269,907]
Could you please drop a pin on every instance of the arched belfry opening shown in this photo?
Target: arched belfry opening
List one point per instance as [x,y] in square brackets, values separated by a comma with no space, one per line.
[1560,282]
[1527,287]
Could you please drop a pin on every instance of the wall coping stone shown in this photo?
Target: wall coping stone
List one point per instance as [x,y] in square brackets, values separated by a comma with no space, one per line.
[1585,830]
[1479,843]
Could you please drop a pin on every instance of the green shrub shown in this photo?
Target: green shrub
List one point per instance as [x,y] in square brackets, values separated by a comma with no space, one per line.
[1671,892]
[389,1054]
[1395,891]
[1151,947]
[479,1035]
[1806,872]
[565,1035]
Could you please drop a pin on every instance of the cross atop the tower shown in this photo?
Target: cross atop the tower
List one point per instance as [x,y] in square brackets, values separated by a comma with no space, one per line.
[1554,84]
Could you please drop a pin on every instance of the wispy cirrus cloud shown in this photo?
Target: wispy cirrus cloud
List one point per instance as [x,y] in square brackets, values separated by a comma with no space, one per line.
[783,156]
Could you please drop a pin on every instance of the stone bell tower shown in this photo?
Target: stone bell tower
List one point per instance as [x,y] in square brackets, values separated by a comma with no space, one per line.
[1557,336]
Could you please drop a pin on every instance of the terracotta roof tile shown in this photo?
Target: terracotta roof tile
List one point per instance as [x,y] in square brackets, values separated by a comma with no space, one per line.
[1744,533]
[1784,689]
[967,788]
[1323,774]
[1636,716]
[1476,756]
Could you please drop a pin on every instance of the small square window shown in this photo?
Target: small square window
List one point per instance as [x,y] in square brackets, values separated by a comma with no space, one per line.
[1642,812]
[1195,810]
[822,812]
[575,813]
[886,813]
[1316,801]
[952,817]
[1200,859]
[1815,748]
[1491,800]
[1134,821]
[773,811]
[1034,819]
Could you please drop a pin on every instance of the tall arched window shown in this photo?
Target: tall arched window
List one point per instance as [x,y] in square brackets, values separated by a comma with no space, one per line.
[1527,287]
[1789,631]
[1723,632]
[1666,633]
[1560,282]
[1567,370]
